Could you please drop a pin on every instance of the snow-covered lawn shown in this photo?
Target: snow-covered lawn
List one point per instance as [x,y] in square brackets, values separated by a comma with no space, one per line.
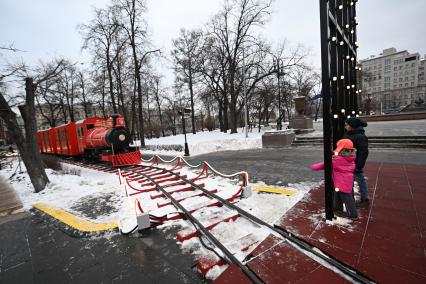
[212,141]
[207,142]
[70,189]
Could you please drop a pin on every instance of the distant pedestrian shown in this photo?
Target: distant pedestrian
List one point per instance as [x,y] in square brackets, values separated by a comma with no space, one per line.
[343,164]
[356,133]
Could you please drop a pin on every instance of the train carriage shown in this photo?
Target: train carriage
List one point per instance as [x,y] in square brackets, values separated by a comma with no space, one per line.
[46,141]
[66,140]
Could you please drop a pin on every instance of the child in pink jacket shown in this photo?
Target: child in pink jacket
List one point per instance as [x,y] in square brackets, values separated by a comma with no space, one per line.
[343,177]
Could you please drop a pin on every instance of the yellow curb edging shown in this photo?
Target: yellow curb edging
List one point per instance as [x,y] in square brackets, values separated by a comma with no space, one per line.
[286,191]
[74,221]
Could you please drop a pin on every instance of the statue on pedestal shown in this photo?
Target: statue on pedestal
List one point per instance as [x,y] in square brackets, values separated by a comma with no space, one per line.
[300,122]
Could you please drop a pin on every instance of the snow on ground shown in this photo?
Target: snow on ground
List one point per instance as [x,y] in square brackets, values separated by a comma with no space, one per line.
[266,206]
[212,141]
[209,141]
[98,196]
[70,189]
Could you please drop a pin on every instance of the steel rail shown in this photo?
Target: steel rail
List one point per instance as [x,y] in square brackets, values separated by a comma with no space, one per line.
[303,245]
[230,257]
[345,269]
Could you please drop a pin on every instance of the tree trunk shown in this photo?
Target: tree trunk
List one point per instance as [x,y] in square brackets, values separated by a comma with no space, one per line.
[225,116]
[317,108]
[83,94]
[233,103]
[103,96]
[149,116]
[174,122]
[140,112]
[221,125]
[64,111]
[28,145]
[259,111]
[191,92]
[160,114]
[133,112]
[111,85]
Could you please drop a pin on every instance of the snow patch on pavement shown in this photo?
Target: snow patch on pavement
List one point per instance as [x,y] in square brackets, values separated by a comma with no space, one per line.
[66,191]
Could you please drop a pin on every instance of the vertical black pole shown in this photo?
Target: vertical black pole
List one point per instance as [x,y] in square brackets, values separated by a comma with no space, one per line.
[354,40]
[326,108]
[279,125]
[184,133]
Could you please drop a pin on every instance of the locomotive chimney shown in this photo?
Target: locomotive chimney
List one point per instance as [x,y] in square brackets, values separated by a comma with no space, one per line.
[114,119]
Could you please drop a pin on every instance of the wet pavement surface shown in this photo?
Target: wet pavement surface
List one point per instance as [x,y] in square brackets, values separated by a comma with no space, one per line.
[98,205]
[34,249]
[292,165]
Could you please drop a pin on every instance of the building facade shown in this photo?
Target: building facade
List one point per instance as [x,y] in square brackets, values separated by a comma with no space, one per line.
[392,81]
[5,138]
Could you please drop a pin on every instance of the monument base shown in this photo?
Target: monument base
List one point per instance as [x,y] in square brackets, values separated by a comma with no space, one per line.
[278,139]
[301,122]
[304,131]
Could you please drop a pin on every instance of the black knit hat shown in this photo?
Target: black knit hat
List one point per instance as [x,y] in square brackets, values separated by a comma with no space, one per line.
[355,122]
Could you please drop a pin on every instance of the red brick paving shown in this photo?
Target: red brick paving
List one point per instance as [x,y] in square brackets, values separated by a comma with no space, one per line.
[387,244]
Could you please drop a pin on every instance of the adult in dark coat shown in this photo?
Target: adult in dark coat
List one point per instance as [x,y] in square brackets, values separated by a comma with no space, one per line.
[356,133]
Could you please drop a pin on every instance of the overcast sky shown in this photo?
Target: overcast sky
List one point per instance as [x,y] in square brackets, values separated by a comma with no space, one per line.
[47,28]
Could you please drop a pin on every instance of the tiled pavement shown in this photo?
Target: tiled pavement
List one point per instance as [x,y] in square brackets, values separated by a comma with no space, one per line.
[387,244]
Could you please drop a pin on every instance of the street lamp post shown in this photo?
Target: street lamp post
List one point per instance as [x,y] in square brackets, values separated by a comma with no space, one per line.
[182,113]
[245,95]
[279,68]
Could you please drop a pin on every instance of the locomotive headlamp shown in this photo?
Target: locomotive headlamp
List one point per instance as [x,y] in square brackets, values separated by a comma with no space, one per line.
[121,137]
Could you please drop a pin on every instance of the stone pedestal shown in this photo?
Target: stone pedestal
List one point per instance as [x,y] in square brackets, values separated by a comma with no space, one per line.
[278,139]
[301,122]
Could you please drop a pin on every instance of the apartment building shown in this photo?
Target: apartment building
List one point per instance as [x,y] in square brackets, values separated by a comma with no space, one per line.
[393,80]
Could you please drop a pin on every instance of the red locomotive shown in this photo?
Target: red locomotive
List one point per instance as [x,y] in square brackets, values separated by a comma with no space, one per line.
[92,138]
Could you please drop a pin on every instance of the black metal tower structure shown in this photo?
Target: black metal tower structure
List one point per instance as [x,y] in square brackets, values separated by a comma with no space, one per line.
[339,87]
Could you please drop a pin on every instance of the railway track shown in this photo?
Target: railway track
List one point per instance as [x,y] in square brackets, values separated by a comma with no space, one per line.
[177,196]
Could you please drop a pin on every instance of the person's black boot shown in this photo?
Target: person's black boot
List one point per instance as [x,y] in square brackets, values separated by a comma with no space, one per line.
[365,202]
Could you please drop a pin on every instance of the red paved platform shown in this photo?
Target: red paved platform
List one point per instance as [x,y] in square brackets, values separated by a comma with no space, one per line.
[387,244]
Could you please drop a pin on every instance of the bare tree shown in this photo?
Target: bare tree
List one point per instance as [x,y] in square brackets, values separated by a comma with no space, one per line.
[82,84]
[158,97]
[233,28]
[186,55]
[99,37]
[47,97]
[131,20]
[67,85]
[27,143]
